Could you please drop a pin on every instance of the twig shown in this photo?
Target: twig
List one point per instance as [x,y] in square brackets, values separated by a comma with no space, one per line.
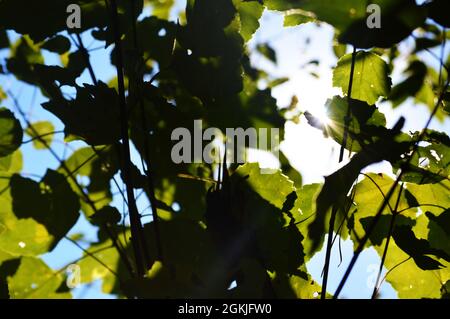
[386,246]
[135,222]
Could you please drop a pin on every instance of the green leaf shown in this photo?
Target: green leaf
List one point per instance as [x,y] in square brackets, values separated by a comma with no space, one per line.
[3,95]
[274,188]
[418,249]
[399,18]
[415,77]
[93,116]
[431,163]
[35,280]
[51,203]
[161,8]
[100,165]
[109,267]
[44,130]
[24,55]
[365,126]
[338,184]
[58,44]
[295,19]
[298,287]
[249,14]
[48,17]
[11,132]
[106,215]
[338,13]
[24,237]
[12,163]
[438,11]
[370,80]
[267,51]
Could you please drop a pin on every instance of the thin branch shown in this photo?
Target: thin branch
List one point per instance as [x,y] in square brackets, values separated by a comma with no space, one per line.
[341,158]
[377,286]
[91,255]
[379,189]
[328,253]
[86,58]
[349,111]
[135,222]
[42,136]
[148,171]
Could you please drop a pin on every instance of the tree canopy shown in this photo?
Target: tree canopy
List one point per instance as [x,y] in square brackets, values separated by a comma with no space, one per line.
[245,227]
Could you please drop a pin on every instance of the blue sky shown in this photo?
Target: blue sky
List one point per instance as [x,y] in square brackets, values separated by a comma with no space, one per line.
[312,154]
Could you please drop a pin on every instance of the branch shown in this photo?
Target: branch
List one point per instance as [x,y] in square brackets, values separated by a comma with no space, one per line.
[135,221]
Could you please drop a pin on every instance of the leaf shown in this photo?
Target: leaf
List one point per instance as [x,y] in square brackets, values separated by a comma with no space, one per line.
[12,163]
[267,51]
[399,18]
[106,253]
[24,55]
[370,80]
[24,237]
[93,116]
[418,249]
[295,19]
[156,38]
[158,284]
[438,11]
[35,280]
[365,126]
[3,95]
[106,215]
[44,130]
[99,165]
[434,194]
[58,44]
[342,180]
[431,163]
[338,13]
[161,8]
[249,14]
[298,287]
[40,21]
[415,77]
[4,40]
[274,188]
[11,132]
[51,203]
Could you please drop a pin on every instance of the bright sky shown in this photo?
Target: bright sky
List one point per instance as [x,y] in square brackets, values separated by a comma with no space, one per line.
[312,154]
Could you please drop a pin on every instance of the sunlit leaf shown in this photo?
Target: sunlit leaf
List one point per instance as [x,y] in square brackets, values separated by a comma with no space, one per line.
[10,132]
[370,79]
[41,130]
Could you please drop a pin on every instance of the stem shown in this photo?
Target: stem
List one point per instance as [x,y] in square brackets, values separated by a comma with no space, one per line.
[148,173]
[328,253]
[85,54]
[383,258]
[341,158]
[41,136]
[135,221]
[444,40]
[349,112]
